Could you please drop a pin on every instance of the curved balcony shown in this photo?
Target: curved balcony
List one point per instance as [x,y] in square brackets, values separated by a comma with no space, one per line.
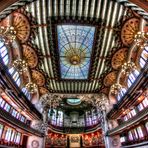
[130,98]
[141,115]
[12,120]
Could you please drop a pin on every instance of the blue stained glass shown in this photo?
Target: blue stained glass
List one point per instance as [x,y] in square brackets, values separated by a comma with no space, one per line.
[75,48]
[144,57]
[73,101]
[4,53]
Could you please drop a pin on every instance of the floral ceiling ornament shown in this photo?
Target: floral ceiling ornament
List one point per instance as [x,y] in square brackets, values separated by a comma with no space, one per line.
[141,38]
[8,33]
[128,67]
[101,101]
[50,100]
[32,87]
[20,65]
[115,88]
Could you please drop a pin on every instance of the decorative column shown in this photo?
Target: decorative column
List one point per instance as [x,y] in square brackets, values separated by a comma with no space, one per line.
[100,102]
[104,124]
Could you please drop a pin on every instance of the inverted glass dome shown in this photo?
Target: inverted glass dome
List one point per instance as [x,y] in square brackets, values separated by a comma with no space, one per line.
[75,44]
[73,101]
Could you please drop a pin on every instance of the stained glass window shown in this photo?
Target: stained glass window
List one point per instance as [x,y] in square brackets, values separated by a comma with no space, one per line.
[122,139]
[26,92]
[1,130]
[146,125]
[17,138]
[130,135]
[12,136]
[7,107]
[140,132]
[144,57]
[132,77]
[145,102]
[8,134]
[75,48]
[121,93]
[140,107]
[4,53]
[15,75]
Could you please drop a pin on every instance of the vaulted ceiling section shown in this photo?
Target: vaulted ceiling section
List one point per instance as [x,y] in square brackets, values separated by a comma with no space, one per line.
[107,16]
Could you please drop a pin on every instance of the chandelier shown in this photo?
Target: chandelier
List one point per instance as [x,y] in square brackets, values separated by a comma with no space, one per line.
[8,33]
[141,37]
[115,88]
[128,67]
[20,65]
[32,87]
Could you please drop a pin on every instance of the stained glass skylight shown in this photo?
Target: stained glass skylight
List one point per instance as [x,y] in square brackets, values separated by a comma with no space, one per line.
[75,48]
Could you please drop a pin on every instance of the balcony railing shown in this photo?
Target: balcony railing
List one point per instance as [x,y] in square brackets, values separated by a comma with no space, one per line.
[128,123]
[10,119]
[136,143]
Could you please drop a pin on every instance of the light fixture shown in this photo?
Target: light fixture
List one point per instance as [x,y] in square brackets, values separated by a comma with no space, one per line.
[128,67]
[32,87]
[115,88]
[20,65]
[8,33]
[141,37]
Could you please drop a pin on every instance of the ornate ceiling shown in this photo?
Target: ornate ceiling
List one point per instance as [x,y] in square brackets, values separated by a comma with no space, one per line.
[36,28]
[103,14]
